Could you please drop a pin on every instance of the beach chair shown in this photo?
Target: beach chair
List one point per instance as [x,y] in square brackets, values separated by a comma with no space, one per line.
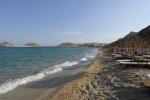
[136,63]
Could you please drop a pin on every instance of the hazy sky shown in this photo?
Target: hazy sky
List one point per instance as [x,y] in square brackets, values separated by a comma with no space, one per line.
[50,22]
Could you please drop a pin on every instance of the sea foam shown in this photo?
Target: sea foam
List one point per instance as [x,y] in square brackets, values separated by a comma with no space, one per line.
[11,84]
[83,59]
[95,50]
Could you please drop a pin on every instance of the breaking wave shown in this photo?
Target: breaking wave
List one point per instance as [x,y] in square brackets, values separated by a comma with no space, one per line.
[11,84]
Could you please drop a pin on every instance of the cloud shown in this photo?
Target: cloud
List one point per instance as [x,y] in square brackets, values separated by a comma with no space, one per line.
[69,33]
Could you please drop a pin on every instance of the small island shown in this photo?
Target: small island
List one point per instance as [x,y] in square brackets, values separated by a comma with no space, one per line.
[32,45]
[7,44]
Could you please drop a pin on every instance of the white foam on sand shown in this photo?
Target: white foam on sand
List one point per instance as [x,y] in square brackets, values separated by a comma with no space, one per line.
[83,59]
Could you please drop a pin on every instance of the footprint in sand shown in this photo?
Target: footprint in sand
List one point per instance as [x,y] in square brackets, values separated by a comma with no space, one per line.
[87,87]
[109,76]
[93,85]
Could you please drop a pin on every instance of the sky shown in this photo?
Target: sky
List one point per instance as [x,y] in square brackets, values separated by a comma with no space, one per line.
[51,22]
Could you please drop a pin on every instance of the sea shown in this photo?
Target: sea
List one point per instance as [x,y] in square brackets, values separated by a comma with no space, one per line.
[20,65]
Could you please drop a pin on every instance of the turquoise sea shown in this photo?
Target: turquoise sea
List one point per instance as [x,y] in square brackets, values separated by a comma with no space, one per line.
[19,66]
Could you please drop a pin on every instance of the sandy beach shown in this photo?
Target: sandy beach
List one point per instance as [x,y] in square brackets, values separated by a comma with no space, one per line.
[105,79]
[45,88]
[74,50]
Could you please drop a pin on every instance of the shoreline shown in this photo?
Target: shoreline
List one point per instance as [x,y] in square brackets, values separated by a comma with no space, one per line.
[41,66]
[46,87]
[72,90]
[105,79]
[102,79]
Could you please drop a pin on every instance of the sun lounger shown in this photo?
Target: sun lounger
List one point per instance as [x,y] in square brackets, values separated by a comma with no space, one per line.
[115,55]
[124,60]
[135,64]
[120,56]
[146,56]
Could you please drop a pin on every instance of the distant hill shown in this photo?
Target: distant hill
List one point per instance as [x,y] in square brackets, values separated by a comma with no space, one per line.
[139,39]
[32,45]
[93,44]
[7,44]
[131,38]
[68,44]
[128,40]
